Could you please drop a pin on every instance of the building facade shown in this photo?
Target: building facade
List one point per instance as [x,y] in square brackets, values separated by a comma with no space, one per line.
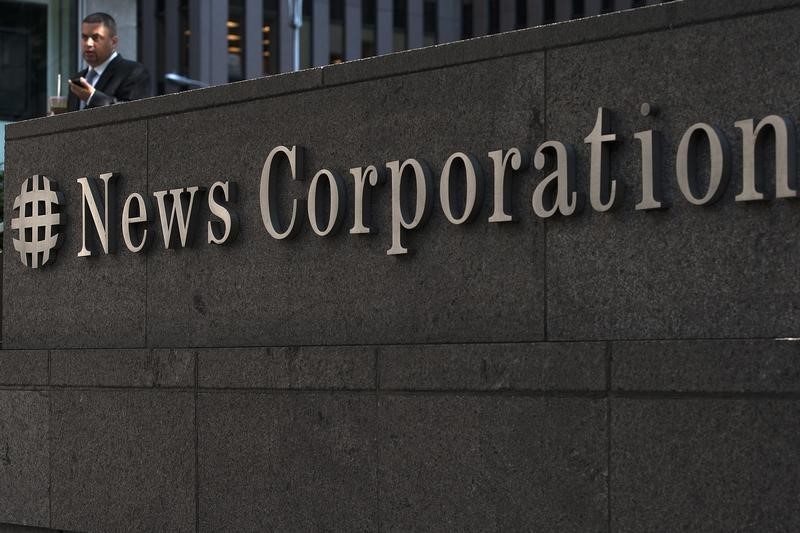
[217,42]
[545,280]
[244,39]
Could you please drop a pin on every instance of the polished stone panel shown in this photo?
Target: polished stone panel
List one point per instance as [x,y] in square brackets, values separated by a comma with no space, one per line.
[122,460]
[24,452]
[704,465]
[23,367]
[290,367]
[123,368]
[336,290]
[287,462]
[77,301]
[489,463]
[517,367]
[719,271]
[707,366]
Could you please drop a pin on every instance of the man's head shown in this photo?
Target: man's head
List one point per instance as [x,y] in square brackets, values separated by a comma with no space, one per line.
[98,38]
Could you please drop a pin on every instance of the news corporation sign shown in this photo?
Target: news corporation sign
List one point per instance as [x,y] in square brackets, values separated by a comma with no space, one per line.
[39,219]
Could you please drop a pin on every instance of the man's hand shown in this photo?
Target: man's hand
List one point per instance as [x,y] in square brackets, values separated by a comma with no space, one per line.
[82,90]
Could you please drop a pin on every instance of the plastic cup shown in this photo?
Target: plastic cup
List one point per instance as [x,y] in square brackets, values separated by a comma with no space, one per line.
[57,105]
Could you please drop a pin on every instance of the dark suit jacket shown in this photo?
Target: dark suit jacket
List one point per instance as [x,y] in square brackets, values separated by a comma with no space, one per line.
[122,80]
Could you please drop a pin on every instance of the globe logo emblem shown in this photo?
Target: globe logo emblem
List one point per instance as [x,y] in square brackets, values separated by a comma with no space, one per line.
[37,220]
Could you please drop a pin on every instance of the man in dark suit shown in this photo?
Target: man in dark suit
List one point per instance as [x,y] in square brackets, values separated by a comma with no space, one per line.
[109,78]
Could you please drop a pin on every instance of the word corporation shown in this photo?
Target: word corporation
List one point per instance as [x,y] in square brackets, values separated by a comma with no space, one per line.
[39,203]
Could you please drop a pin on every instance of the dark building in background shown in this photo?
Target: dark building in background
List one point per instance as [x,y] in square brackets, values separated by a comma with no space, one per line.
[215,42]
[23,60]
[38,40]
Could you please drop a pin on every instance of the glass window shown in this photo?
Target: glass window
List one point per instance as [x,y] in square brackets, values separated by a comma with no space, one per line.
[494,16]
[236,41]
[160,45]
[521,13]
[549,11]
[337,31]
[183,15]
[23,61]
[577,9]
[306,32]
[467,29]
[270,36]
[400,34]
[429,36]
[368,20]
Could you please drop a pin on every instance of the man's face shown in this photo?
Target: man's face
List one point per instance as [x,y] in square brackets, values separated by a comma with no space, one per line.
[96,43]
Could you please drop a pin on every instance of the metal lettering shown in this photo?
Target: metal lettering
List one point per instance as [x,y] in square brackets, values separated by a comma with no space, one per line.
[99,214]
[337,207]
[228,219]
[600,184]
[473,178]
[269,203]
[564,199]
[502,181]
[422,204]
[785,158]
[651,170]
[181,209]
[686,164]
[363,197]
[143,214]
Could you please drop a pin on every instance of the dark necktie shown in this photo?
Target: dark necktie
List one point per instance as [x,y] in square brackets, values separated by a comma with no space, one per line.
[90,77]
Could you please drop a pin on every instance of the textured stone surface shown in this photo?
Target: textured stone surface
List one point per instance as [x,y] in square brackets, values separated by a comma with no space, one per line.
[336,290]
[12,528]
[707,366]
[123,368]
[173,367]
[123,460]
[705,465]
[726,270]
[488,463]
[287,462]
[419,393]
[23,458]
[538,366]
[304,367]
[23,367]
[95,301]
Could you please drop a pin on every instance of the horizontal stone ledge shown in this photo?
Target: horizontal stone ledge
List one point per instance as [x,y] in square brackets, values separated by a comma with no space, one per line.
[289,367]
[770,366]
[122,368]
[562,367]
[24,453]
[18,528]
[758,365]
[23,367]
[704,465]
[539,366]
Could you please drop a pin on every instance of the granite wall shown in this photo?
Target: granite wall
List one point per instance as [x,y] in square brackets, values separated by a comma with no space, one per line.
[627,370]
